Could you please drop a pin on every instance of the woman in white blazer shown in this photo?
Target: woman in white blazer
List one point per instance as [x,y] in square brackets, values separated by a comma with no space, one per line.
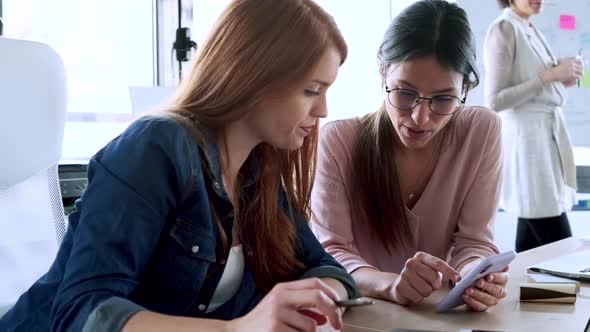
[526,84]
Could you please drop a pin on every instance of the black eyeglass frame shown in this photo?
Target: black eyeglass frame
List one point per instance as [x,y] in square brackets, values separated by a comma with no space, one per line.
[418,101]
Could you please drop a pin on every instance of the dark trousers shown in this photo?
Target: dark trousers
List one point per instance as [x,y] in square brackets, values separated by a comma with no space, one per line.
[532,233]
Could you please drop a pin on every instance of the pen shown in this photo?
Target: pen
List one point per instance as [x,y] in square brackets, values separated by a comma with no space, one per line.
[579,57]
[354,302]
[562,274]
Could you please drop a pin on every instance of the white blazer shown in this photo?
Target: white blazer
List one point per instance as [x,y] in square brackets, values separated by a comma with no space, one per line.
[539,174]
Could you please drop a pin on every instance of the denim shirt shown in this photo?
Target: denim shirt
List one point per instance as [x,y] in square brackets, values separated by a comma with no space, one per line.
[143,236]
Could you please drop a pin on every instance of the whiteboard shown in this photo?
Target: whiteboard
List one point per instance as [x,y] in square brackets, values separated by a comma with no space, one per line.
[563,41]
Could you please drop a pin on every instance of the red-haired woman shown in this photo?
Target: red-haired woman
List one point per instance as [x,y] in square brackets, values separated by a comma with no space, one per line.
[198,215]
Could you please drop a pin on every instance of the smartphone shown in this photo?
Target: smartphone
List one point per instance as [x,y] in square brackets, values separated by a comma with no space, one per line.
[358,302]
[489,265]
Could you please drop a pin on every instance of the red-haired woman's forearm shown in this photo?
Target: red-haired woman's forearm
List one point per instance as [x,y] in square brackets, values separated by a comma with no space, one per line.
[146,321]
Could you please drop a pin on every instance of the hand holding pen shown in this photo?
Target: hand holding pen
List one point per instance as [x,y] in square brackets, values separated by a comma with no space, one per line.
[568,71]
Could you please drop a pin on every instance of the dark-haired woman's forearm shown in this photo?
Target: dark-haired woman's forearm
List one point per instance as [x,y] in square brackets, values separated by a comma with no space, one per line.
[374,283]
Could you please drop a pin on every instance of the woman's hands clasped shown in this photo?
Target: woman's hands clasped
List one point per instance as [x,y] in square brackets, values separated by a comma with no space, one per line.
[569,71]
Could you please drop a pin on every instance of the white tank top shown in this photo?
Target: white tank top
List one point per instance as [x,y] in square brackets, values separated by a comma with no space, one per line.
[230,279]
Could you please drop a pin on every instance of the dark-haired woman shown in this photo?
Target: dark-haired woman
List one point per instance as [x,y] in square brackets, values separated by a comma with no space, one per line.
[526,84]
[405,197]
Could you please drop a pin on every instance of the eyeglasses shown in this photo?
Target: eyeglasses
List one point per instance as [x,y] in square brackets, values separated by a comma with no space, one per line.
[405,100]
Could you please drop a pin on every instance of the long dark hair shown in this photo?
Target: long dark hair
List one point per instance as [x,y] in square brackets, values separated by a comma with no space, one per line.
[426,28]
[256,46]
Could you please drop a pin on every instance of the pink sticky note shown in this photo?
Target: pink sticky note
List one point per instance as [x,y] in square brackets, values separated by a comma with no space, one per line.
[567,22]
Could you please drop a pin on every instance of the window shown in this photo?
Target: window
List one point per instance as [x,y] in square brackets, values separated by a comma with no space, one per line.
[357,90]
[107,46]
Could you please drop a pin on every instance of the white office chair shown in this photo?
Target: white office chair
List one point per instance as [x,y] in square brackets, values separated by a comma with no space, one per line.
[32,120]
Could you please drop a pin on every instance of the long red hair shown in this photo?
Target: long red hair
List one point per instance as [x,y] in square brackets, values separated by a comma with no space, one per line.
[257,45]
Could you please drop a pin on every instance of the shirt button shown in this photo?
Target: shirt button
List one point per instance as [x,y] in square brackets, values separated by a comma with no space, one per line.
[202,307]
[195,249]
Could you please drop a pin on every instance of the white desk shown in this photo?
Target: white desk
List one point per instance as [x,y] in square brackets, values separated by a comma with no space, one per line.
[509,315]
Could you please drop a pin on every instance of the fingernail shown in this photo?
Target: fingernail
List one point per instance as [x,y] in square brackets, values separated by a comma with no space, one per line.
[470,292]
[491,278]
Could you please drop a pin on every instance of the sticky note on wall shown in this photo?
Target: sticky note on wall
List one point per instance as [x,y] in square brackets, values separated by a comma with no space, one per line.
[567,22]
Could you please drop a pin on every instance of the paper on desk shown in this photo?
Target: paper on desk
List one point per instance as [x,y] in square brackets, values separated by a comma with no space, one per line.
[545,278]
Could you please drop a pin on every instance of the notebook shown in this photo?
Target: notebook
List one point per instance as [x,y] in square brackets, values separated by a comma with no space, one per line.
[574,266]
[542,278]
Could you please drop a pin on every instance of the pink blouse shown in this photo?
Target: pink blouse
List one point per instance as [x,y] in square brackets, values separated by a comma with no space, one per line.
[453,218]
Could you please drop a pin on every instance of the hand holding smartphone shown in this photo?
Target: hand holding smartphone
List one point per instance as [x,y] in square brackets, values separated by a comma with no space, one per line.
[489,265]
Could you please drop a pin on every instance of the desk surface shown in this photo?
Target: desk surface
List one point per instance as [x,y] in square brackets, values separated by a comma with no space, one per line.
[509,315]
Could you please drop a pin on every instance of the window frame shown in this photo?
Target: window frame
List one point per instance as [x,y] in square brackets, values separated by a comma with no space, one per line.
[166,20]
[1,24]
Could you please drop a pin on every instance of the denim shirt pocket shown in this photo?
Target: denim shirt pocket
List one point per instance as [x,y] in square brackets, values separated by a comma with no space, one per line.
[195,243]
[192,251]
[173,281]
